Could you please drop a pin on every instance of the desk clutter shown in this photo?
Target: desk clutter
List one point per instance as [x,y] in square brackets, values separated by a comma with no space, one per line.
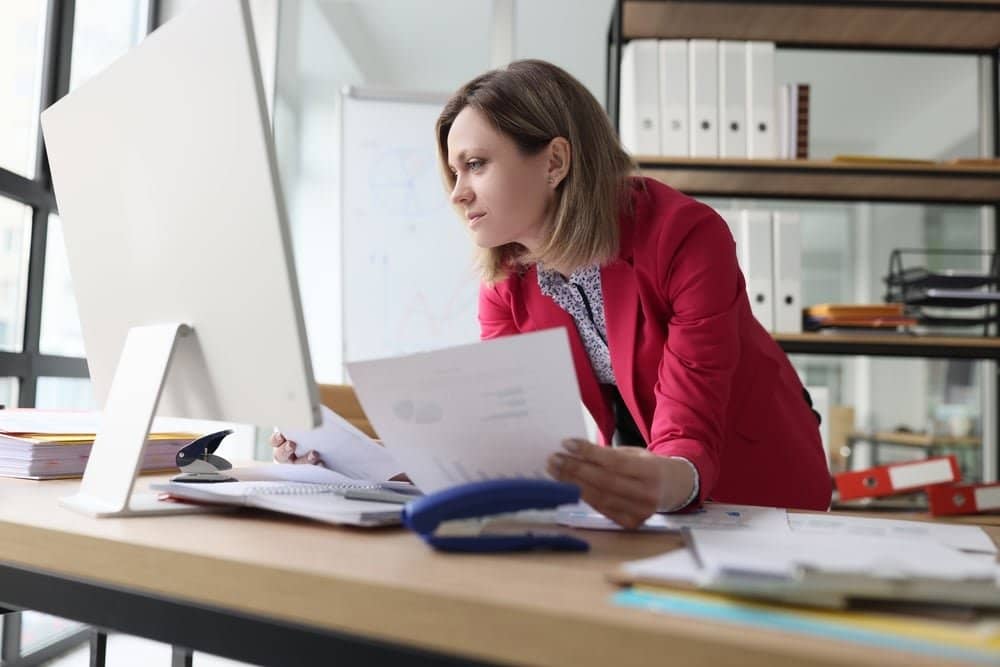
[763,567]
[50,444]
[355,493]
[309,492]
[925,587]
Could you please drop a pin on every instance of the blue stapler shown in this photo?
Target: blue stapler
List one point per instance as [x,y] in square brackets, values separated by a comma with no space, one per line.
[199,463]
[433,515]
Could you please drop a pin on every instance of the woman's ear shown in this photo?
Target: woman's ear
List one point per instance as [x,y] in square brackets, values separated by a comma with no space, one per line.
[560,155]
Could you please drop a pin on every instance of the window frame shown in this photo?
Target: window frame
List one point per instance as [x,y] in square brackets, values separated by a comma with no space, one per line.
[30,364]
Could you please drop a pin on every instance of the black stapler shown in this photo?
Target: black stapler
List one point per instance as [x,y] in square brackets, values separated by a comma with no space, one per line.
[198,463]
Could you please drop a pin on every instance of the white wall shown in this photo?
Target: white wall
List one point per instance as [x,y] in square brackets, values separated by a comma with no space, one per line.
[313,65]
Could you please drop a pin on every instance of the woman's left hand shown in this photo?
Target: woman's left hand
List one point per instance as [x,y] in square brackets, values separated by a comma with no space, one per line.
[626,484]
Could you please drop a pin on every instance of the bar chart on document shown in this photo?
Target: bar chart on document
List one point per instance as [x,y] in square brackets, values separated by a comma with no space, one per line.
[409,283]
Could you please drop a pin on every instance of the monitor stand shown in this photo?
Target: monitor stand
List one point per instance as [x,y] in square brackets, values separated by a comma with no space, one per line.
[115,459]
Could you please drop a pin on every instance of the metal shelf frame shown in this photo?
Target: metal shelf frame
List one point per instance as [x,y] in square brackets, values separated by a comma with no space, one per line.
[758,20]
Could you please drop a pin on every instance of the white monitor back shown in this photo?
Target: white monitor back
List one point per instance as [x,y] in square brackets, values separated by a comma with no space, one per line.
[165,176]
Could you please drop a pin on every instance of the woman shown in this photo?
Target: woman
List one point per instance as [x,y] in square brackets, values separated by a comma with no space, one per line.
[667,353]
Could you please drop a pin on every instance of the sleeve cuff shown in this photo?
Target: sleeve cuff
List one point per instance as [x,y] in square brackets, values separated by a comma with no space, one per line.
[694,490]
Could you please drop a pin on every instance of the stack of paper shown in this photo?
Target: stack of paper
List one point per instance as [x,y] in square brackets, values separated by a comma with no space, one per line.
[829,561]
[44,444]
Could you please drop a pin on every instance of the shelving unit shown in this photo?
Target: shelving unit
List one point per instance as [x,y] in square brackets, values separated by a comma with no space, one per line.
[942,26]
[924,25]
[824,179]
[891,345]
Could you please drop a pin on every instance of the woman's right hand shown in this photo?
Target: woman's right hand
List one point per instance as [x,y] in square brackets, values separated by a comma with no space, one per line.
[284,451]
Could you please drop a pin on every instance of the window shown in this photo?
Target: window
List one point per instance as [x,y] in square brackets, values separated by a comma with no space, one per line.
[22,36]
[65,394]
[102,32]
[15,224]
[8,391]
[46,48]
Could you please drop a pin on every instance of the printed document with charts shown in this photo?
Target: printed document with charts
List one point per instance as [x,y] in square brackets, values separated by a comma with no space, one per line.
[489,410]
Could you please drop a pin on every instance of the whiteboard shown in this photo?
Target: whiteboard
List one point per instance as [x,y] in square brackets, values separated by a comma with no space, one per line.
[408,277]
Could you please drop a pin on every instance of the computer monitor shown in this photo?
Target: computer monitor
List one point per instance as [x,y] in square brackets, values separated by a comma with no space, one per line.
[178,245]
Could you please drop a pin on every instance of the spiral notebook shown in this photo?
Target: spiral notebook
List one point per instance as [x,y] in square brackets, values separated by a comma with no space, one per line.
[330,503]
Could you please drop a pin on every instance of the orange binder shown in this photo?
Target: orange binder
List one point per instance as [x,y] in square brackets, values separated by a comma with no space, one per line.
[897,478]
[964,499]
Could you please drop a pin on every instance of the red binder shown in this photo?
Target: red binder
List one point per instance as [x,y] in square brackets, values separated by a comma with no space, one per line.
[964,499]
[897,478]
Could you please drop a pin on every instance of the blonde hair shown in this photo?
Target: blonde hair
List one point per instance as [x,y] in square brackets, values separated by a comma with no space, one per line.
[533,102]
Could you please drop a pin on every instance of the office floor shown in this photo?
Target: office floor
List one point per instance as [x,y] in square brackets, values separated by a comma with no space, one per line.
[122,651]
[126,651]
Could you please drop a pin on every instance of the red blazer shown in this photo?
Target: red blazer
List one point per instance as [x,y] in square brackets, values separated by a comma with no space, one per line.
[700,376]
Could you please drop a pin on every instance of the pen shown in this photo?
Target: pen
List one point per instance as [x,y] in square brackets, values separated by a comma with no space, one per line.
[380,495]
[692,549]
[401,487]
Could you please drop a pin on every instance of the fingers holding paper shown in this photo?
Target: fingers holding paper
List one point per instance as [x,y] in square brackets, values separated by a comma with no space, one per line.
[626,484]
[284,451]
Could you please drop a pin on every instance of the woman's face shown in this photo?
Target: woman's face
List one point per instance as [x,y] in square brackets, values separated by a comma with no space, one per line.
[504,195]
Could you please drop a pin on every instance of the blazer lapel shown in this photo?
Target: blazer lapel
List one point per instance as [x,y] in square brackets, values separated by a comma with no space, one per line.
[621,315]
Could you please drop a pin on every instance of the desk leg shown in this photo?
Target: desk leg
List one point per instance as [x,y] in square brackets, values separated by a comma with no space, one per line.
[10,642]
[182,657]
[98,648]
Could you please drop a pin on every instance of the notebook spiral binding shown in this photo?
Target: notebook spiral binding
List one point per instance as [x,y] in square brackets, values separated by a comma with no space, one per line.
[306,488]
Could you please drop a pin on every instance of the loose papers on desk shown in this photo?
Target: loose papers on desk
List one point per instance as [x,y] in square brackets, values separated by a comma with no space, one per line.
[829,563]
[488,410]
[965,538]
[711,516]
[45,444]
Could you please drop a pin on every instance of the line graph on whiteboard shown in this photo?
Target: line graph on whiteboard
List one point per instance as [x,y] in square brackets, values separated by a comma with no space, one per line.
[409,279]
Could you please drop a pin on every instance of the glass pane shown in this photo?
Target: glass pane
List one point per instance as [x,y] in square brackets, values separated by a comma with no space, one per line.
[60,323]
[64,394]
[845,259]
[41,630]
[22,38]
[103,31]
[8,392]
[15,241]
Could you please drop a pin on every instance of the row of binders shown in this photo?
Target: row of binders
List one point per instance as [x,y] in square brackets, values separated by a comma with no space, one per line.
[939,477]
[769,252]
[700,98]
